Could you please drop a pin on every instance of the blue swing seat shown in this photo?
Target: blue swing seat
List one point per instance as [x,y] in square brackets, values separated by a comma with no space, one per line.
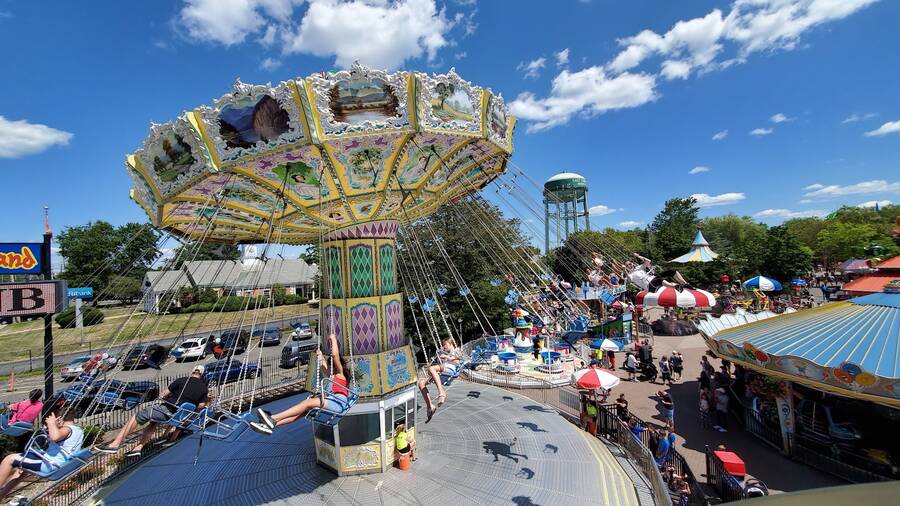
[14,429]
[187,417]
[448,377]
[323,416]
[226,426]
[55,471]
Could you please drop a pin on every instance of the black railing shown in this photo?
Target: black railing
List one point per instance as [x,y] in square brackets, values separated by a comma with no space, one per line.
[837,460]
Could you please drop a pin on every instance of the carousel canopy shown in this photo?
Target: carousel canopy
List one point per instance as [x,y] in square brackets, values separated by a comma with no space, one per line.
[851,347]
[668,296]
[855,265]
[700,251]
[282,163]
[763,283]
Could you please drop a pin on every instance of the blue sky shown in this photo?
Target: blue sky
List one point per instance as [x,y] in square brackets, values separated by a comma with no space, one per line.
[629,94]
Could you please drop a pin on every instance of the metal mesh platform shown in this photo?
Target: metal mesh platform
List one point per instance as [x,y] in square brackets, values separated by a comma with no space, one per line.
[484,446]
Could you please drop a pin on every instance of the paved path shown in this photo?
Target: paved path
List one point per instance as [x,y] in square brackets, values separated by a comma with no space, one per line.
[484,446]
[765,463]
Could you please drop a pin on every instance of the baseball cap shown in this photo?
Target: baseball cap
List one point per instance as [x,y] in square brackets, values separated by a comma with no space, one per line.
[198,368]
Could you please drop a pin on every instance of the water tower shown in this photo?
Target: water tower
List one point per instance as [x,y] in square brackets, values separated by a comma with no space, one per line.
[563,194]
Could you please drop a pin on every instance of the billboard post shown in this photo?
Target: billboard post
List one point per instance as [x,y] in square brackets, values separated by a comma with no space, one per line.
[48,318]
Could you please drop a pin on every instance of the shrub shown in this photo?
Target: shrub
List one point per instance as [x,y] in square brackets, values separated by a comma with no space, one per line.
[89,314]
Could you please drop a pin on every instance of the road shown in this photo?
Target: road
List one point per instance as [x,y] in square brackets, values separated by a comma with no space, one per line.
[169,369]
[118,350]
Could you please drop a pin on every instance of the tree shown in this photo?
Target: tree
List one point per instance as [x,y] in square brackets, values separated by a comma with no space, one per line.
[785,256]
[840,241]
[673,229]
[573,259]
[192,251]
[124,288]
[279,294]
[740,243]
[96,251]
[806,230]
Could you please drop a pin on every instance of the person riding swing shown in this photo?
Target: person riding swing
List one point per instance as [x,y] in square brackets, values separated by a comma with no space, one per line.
[447,361]
[334,401]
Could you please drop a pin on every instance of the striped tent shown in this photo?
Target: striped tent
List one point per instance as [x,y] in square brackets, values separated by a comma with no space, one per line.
[851,348]
[668,296]
[700,251]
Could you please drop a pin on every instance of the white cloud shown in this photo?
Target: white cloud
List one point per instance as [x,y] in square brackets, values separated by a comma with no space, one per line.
[788,214]
[853,118]
[873,203]
[532,69]
[874,186]
[562,58]
[268,38]
[380,34]
[706,200]
[460,55]
[709,43]
[601,210]
[761,131]
[21,138]
[780,118]
[229,22]
[806,201]
[698,169]
[891,127]
[630,224]
[269,64]
[589,92]
[718,136]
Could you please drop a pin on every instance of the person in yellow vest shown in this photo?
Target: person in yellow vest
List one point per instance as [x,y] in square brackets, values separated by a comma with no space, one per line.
[404,442]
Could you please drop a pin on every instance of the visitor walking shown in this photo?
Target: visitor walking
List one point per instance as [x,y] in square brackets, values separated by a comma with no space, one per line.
[704,409]
[668,409]
[665,369]
[630,366]
[677,362]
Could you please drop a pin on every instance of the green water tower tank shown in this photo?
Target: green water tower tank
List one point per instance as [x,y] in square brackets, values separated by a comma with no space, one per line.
[565,207]
[565,186]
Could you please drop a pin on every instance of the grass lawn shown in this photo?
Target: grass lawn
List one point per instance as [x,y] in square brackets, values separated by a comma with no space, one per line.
[18,338]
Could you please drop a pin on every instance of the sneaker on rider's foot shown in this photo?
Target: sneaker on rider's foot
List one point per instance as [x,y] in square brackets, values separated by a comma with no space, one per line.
[265,418]
[261,428]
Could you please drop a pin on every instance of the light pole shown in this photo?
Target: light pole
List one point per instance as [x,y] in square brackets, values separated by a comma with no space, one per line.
[459,329]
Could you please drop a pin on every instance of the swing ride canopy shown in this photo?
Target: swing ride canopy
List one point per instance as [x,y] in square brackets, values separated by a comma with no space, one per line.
[285,163]
[700,251]
[850,348]
[667,296]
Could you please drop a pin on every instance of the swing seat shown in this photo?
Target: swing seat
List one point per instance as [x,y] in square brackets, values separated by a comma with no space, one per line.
[448,377]
[323,416]
[227,426]
[58,472]
[187,417]
[15,429]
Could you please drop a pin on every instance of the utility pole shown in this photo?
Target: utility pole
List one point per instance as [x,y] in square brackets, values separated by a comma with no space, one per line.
[48,318]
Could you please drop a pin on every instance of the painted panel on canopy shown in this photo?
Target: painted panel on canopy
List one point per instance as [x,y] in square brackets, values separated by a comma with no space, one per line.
[143,193]
[446,102]
[251,119]
[332,214]
[173,155]
[359,100]
[365,207]
[197,212]
[361,162]
[460,160]
[390,205]
[498,124]
[300,221]
[299,171]
[422,154]
[239,193]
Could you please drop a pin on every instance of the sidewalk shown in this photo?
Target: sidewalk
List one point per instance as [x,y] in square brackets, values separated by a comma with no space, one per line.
[779,473]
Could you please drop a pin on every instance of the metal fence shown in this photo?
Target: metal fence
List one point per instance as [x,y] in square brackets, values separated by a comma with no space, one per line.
[272,382]
[726,486]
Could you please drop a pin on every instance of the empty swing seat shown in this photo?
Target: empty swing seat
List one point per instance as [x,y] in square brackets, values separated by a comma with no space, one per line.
[226,426]
[323,416]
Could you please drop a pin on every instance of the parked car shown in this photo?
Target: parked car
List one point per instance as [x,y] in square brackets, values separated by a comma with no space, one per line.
[99,396]
[73,369]
[144,355]
[269,336]
[194,348]
[232,342]
[224,371]
[297,352]
[302,331]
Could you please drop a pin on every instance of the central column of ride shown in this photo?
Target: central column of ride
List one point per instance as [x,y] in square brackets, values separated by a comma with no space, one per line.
[363,307]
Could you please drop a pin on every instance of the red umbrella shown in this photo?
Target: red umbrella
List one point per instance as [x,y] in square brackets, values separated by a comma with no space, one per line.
[592,379]
[668,296]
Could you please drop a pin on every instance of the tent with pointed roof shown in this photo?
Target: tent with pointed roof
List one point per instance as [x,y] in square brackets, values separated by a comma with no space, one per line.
[700,251]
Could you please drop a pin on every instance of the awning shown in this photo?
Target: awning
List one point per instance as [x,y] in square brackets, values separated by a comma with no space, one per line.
[668,296]
[700,252]
[851,348]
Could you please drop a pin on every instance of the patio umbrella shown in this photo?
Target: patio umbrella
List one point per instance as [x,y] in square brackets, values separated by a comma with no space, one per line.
[605,345]
[592,379]
[798,282]
[668,296]
[763,283]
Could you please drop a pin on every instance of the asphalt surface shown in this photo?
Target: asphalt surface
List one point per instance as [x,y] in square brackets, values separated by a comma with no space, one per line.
[169,369]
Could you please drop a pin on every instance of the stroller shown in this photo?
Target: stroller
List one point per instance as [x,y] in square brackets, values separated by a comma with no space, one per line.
[649,370]
[755,488]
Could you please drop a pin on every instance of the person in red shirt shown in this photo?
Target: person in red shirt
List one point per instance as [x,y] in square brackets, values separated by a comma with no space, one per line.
[334,401]
[28,410]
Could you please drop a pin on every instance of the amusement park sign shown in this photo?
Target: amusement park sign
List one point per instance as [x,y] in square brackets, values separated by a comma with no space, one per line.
[20,258]
[32,299]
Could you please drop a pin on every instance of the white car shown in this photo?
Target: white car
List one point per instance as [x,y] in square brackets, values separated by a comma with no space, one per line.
[302,331]
[73,369]
[190,349]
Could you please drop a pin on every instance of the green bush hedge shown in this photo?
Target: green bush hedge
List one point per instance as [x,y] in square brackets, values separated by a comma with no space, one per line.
[234,303]
[89,314]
